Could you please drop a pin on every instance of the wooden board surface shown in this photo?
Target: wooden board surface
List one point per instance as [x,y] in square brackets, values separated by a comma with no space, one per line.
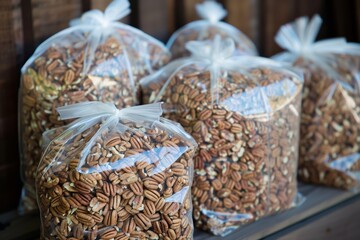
[318,200]
[341,222]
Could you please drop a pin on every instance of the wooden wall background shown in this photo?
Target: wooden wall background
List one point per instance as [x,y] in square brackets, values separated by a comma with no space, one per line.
[26,23]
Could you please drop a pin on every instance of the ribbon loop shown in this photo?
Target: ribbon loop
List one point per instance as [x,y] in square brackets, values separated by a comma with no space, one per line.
[211,10]
[116,10]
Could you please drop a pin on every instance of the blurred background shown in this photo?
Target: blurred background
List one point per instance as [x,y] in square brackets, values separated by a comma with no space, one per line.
[26,23]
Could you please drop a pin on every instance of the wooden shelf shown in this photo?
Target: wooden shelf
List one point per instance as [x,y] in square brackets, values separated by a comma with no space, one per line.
[320,201]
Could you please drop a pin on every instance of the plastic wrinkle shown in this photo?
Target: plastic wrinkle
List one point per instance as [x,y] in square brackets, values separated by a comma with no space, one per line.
[345,164]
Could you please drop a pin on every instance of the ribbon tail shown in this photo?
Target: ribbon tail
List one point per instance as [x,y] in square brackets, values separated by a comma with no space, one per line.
[117,10]
[312,30]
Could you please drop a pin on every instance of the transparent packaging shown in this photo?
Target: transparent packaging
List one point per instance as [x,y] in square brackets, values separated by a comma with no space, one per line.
[211,13]
[116,174]
[97,58]
[244,114]
[330,126]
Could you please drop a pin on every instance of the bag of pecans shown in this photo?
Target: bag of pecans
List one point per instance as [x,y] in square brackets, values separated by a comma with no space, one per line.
[211,13]
[116,174]
[330,118]
[244,114]
[99,59]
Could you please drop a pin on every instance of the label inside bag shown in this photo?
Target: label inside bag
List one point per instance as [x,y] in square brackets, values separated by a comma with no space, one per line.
[345,164]
[260,100]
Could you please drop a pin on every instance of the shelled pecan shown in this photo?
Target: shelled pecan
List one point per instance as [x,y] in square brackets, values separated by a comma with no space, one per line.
[134,184]
[247,128]
[330,143]
[67,73]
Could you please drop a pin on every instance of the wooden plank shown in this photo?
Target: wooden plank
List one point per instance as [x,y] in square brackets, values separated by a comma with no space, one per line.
[244,15]
[99,4]
[154,19]
[20,228]
[171,22]
[51,16]
[189,11]
[10,178]
[11,43]
[309,7]
[319,199]
[340,222]
[134,16]
[28,28]
[86,5]
[273,14]
[357,6]
[344,15]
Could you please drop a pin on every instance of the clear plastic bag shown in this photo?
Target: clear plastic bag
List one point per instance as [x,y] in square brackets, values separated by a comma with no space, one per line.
[97,58]
[211,12]
[330,126]
[244,114]
[116,174]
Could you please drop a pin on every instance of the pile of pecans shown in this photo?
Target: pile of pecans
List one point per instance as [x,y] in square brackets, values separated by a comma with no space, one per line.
[246,165]
[203,30]
[330,126]
[56,78]
[134,184]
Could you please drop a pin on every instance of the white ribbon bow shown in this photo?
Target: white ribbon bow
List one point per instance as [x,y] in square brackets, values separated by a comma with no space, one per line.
[298,38]
[148,112]
[92,113]
[211,11]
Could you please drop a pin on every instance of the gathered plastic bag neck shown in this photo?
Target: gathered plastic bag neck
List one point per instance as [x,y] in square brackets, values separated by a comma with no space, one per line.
[215,56]
[116,10]
[211,11]
[298,38]
[96,26]
[89,114]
